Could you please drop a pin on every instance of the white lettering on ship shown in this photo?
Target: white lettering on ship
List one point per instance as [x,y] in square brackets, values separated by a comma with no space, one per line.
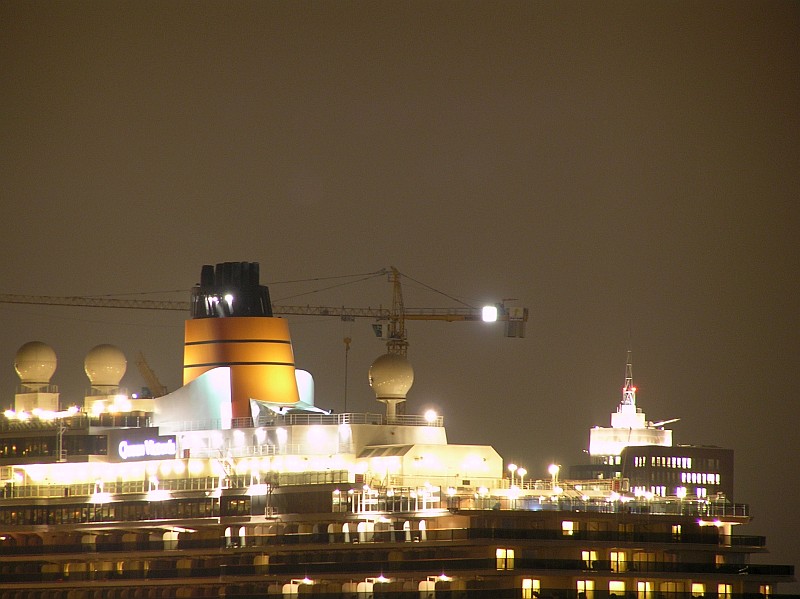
[149,448]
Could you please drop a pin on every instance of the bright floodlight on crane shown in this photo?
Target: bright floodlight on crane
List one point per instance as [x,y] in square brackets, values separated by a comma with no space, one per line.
[489,314]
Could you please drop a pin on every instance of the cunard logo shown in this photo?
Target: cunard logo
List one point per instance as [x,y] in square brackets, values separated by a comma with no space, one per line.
[148,449]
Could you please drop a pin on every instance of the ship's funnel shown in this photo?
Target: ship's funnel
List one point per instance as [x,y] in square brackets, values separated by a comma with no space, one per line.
[233,326]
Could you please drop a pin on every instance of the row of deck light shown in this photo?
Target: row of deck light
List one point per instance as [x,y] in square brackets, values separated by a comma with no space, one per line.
[366,585]
[23,416]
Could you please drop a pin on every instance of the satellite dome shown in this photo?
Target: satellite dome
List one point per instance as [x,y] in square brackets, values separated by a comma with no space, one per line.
[105,365]
[35,363]
[391,376]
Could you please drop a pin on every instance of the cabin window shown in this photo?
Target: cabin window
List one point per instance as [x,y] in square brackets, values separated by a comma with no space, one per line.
[585,589]
[531,588]
[617,561]
[505,559]
[616,587]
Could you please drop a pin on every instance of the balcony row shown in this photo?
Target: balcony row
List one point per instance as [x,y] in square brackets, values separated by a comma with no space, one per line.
[385,536]
[304,566]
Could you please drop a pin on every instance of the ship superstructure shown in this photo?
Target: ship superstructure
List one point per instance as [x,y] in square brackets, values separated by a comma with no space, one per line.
[239,485]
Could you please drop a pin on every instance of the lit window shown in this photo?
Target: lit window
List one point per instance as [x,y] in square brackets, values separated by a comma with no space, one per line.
[567,528]
[724,591]
[644,589]
[505,559]
[617,561]
[765,590]
[616,587]
[588,557]
[530,586]
[698,589]
[676,531]
[585,589]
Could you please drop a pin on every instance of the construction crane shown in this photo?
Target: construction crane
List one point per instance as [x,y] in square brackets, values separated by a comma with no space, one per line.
[156,387]
[394,317]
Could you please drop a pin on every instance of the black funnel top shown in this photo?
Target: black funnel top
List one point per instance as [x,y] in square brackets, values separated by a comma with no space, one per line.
[230,289]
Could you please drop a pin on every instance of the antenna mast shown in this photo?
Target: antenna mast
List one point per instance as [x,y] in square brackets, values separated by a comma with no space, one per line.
[629,391]
[398,342]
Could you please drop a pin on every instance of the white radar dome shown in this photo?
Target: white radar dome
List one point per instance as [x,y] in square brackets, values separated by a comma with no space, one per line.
[105,366]
[35,363]
[391,376]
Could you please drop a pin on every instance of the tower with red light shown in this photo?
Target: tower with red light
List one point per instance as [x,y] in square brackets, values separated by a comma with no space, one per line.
[628,426]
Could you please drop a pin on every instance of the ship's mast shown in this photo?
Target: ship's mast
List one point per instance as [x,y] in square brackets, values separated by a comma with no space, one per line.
[629,391]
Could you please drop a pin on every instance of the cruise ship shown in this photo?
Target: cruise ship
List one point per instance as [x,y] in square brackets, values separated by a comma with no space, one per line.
[239,485]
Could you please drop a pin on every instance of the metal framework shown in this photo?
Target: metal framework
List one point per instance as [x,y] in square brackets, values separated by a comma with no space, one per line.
[395,317]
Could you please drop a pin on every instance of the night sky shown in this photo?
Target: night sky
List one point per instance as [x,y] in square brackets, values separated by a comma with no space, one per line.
[629,171]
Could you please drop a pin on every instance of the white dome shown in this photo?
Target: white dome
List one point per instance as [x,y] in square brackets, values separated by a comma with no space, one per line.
[35,363]
[105,366]
[391,376]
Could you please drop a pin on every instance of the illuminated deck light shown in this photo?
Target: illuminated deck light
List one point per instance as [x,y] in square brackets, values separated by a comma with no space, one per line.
[158,495]
[100,497]
[258,489]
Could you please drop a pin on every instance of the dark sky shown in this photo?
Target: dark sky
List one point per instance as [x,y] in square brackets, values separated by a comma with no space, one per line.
[629,171]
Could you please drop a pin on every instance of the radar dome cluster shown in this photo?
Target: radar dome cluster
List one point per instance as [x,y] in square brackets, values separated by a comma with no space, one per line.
[36,362]
[391,376]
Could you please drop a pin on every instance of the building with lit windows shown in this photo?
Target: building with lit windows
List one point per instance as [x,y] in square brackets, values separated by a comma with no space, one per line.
[238,485]
[641,453]
[680,471]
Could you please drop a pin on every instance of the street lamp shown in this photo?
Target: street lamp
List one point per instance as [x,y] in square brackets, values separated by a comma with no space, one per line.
[553,470]
[512,468]
[522,472]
